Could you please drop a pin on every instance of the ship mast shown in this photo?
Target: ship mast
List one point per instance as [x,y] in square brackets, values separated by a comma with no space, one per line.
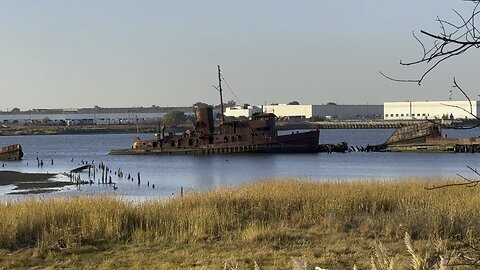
[220,90]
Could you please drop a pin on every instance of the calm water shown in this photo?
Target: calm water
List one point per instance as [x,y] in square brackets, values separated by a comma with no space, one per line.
[169,173]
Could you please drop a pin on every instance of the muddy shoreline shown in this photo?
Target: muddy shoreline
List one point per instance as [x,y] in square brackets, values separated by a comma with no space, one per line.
[30,183]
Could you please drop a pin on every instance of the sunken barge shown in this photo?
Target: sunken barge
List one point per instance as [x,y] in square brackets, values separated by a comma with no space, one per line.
[427,137]
[11,152]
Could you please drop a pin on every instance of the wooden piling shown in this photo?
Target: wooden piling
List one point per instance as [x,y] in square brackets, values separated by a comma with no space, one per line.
[103,175]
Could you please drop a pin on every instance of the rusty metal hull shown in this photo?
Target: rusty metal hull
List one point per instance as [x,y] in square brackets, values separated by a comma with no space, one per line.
[415,133]
[438,145]
[427,137]
[421,147]
[255,135]
[11,152]
[306,142]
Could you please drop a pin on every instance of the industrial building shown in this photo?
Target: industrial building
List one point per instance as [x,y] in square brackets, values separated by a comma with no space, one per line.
[242,111]
[328,111]
[348,112]
[291,111]
[91,116]
[410,110]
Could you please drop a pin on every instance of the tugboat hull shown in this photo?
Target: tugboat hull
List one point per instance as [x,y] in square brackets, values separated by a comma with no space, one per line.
[306,142]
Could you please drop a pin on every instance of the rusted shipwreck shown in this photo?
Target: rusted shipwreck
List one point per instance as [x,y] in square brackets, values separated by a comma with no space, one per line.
[427,137]
[255,135]
[11,152]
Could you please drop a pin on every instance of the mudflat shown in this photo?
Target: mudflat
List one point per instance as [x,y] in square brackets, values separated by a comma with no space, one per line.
[30,183]
[14,178]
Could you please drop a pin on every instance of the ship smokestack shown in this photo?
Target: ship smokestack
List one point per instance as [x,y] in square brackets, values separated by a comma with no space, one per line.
[205,120]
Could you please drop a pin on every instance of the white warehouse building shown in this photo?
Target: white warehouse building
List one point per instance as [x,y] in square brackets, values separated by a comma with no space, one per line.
[242,111]
[285,110]
[408,110]
[328,111]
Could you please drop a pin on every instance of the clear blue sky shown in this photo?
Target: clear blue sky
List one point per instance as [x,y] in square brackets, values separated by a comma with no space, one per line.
[62,54]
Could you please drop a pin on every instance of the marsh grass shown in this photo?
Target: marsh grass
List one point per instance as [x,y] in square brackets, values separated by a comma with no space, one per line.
[274,212]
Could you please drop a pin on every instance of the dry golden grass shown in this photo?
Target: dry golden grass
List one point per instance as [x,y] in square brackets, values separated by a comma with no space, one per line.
[276,215]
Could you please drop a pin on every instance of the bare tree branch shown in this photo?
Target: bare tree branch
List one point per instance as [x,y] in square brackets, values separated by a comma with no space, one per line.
[455,85]
[454,39]
[471,113]
[466,182]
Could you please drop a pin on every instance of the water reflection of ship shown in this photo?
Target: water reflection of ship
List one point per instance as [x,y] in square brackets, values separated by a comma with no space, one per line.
[256,135]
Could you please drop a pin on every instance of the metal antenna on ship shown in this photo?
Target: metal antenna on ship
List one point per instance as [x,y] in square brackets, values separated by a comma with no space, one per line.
[219,88]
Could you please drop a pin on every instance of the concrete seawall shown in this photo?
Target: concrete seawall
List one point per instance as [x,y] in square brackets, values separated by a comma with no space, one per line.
[360,125]
[377,124]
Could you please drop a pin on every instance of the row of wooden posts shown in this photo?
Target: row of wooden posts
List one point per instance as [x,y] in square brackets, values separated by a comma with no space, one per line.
[106,178]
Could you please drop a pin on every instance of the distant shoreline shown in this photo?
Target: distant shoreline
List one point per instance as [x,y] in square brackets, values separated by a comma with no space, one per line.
[18,130]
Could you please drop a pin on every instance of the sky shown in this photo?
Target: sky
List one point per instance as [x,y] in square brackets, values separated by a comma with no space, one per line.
[116,53]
